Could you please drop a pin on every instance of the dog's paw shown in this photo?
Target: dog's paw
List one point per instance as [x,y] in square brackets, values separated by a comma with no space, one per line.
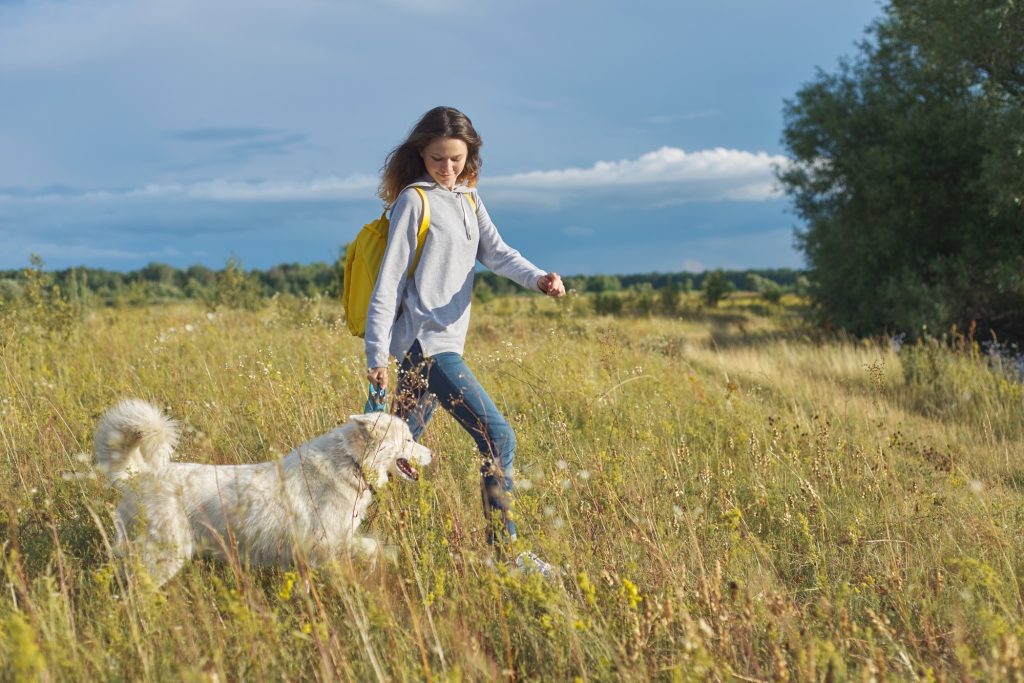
[367,546]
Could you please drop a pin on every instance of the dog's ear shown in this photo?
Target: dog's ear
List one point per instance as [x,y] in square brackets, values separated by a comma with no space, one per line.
[358,433]
[365,419]
[371,423]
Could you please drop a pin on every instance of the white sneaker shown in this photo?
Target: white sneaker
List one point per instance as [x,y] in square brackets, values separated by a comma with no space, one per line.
[528,563]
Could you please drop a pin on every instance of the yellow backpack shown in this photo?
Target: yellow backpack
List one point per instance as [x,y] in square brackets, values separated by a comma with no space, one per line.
[362,264]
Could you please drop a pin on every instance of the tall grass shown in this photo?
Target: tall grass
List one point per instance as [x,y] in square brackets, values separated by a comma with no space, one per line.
[728,498]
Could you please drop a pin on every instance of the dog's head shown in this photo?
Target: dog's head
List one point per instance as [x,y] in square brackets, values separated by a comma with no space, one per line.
[386,447]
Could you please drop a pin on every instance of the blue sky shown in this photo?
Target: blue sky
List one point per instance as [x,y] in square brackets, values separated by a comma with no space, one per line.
[618,137]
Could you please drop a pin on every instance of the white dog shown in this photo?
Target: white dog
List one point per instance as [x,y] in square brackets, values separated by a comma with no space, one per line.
[307,505]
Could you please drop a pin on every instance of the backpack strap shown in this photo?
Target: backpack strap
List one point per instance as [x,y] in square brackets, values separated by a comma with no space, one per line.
[472,201]
[421,236]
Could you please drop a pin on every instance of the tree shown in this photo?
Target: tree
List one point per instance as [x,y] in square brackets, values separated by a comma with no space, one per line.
[604,284]
[715,287]
[983,39]
[201,274]
[607,303]
[669,298]
[482,291]
[913,214]
[770,290]
[158,272]
[235,288]
[642,299]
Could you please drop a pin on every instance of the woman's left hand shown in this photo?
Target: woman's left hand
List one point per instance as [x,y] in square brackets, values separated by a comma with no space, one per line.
[551,284]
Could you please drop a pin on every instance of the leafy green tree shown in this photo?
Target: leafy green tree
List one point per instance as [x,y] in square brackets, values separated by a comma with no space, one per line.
[984,40]
[770,290]
[642,299]
[607,303]
[604,284]
[235,288]
[201,274]
[669,299]
[715,287]
[911,203]
[158,272]
[482,290]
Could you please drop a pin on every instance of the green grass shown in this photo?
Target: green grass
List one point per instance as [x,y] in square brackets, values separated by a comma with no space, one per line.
[730,497]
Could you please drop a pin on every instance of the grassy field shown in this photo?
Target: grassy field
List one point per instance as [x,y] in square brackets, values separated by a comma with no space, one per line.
[729,496]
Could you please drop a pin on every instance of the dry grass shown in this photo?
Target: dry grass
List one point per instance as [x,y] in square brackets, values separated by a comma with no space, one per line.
[729,500]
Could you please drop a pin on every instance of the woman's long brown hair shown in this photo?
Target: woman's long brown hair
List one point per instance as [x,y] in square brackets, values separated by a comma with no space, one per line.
[404,163]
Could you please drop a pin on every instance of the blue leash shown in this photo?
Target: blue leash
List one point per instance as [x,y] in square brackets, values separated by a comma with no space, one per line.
[376,401]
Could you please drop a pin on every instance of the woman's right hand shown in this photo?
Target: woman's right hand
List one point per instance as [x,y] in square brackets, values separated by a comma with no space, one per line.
[378,377]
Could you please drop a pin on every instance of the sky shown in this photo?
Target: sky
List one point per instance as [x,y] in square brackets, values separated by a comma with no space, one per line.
[619,137]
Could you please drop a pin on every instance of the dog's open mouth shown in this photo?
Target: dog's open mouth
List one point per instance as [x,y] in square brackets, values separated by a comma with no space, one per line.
[406,469]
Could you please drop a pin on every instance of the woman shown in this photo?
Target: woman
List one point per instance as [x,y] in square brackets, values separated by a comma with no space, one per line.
[422,318]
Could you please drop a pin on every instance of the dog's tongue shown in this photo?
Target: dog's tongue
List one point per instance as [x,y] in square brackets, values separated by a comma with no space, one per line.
[407,469]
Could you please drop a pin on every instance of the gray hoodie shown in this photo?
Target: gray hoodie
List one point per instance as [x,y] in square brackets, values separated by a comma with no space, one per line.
[435,302]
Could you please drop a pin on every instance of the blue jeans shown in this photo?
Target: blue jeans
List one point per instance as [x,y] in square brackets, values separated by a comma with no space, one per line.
[445,378]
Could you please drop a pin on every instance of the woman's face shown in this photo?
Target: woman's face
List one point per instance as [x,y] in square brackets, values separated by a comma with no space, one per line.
[445,158]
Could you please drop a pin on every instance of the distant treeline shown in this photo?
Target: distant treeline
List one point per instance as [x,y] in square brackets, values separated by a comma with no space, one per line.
[684,281]
[161,282]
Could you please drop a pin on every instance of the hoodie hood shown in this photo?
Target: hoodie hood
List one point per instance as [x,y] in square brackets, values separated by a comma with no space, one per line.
[428,183]
[462,191]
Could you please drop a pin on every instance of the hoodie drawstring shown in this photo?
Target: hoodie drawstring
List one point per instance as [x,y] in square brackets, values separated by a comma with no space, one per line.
[465,216]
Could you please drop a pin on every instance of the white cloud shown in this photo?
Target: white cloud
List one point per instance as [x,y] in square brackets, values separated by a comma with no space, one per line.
[666,176]
[328,188]
[669,175]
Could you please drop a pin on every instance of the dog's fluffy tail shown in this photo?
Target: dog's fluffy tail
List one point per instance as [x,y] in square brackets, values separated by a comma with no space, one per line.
[133,437]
